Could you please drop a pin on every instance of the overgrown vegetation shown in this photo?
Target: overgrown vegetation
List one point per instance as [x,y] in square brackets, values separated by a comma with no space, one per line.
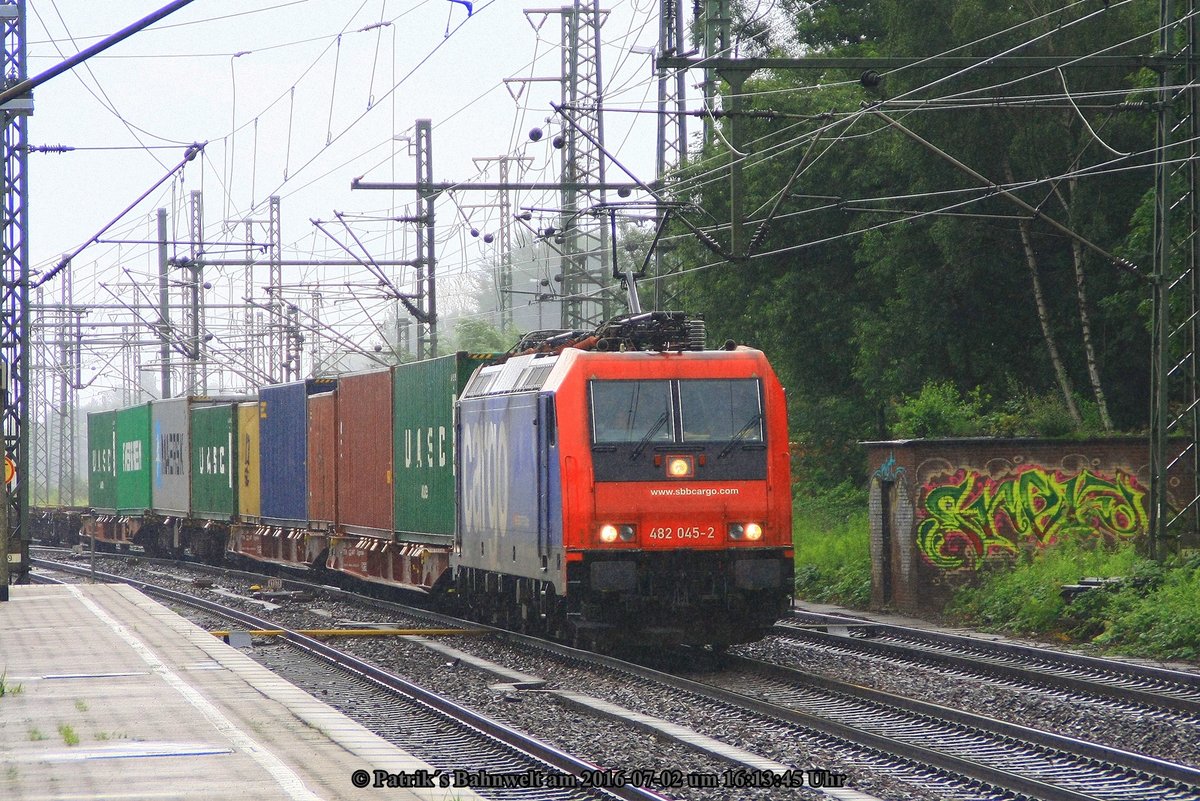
[941,410]
[5,687]
[833,556]
[1153,612]
[68,734]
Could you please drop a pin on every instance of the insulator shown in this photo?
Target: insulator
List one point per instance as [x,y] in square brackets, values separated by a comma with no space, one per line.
[696,334]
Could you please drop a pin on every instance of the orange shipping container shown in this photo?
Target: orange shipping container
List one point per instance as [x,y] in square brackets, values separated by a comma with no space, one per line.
[322,460]
[364,453]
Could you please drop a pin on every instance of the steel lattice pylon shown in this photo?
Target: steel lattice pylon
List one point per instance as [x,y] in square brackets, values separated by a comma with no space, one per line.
[1175,405]
[66,371]
[275,336]
[426,243]
[671,139]
[40,392]
[14,297]
[53,396]
[586,272]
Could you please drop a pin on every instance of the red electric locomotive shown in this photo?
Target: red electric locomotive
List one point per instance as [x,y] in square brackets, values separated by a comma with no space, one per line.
[627,495]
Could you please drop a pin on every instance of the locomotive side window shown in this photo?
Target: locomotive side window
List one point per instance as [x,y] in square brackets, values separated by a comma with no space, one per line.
[721,410]
[631,411]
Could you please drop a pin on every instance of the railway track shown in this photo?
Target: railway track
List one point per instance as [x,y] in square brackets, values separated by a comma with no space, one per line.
[1068,765]
[432,727]
[916,741]
[1122,682]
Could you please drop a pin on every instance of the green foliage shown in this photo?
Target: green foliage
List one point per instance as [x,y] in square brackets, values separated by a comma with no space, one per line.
[1157,614]
[1026,414]
[940,411]
[479,336]
[833,552]
[1028,598]
[68,734]
[1153,612]
[6,688]
[890,281]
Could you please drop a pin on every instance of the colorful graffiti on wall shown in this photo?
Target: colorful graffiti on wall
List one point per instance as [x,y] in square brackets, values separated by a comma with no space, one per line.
[965,517]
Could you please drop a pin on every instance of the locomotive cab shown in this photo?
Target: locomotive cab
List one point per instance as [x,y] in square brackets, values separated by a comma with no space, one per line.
[646,499]
[690,502]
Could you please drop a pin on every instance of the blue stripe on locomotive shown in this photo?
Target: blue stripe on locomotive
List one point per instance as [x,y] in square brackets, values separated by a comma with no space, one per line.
[550,478]
[283,452]
[503,483]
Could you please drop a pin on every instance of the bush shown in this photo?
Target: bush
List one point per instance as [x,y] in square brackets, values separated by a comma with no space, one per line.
[940,411]
[1028,599]
[1026,414]
[1154,613]
[1157,619]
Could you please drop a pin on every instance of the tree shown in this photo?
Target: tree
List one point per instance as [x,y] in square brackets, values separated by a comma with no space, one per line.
[888,268]
[479,336]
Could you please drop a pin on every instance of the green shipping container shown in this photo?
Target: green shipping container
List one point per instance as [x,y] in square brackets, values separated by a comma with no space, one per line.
[214,461]
[133,460]
[102,461]
[423,444]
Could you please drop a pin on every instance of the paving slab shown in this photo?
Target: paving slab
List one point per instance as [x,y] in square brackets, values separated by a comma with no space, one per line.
[108,694]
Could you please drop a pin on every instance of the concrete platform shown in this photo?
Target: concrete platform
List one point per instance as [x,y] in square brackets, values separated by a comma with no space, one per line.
[110,695]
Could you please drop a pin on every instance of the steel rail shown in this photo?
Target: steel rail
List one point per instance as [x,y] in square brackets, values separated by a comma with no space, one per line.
[1135,762]
[1171,689]
[510,737]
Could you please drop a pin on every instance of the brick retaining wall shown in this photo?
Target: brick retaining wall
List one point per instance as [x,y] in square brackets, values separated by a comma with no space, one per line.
[941,510]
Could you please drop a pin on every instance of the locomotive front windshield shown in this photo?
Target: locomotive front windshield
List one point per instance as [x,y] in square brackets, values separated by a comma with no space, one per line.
[628,411]
[688,410]
[721,410]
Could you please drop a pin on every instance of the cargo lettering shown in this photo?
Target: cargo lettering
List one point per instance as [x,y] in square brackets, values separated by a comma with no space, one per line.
[486,484]
[425,447]
[131,456]
[170,454]
[102,461]
[213,460]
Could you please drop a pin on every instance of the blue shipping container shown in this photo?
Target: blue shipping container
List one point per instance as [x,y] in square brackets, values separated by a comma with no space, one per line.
[283,453]
[283,450]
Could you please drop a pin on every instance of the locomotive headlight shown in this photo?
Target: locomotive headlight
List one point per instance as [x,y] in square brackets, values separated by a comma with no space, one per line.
[680,467]
[613,533]
[750,532]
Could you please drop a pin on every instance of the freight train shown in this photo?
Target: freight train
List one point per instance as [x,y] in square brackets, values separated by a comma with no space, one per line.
[623,485]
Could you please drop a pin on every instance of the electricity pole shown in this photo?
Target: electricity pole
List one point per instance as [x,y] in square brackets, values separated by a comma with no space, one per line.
[14,297]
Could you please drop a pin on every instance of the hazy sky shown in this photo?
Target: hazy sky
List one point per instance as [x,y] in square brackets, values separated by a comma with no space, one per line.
[296,99]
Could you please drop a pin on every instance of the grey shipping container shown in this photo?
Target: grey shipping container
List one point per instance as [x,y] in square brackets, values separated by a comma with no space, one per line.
[171,471]
[170,441]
